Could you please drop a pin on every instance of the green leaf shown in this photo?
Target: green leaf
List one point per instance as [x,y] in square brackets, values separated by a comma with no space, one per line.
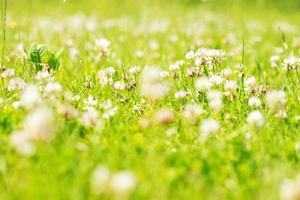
[36,54]
[39,55]
[52,60]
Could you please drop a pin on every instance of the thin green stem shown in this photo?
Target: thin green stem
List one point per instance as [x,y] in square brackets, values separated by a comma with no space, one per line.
[4,33]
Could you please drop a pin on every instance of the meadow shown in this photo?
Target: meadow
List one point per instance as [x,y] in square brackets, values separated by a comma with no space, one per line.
[162,99]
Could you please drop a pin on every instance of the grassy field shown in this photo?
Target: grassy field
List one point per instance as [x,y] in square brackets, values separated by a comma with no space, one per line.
[157,99]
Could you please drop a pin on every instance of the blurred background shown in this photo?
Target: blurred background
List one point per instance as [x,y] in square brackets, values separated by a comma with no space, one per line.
[133,7]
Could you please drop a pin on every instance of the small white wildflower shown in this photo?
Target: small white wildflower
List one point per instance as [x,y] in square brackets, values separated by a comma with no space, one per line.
[250,82]
[164,116]
[103,45]
[39,125]
[123,182]
[22,144]
[180,94]
[254,102]
[208,127]
[164,74]
[90,101]
[274,60]
[230,85]
[17,104]
[226,73]
[52,89]
[152,85]
[8,73]
[191,112]
[176,66]
[90,118]
[276,100]
[43,75]
[255,119]
[100,180]
[291,63]
[31,97]
[134,70]
[16,84]
[190,55]
[119,85]
[216,79]
[110,112]
[153,45]
[171,131]
[203,84]
[215,101]
[110,70]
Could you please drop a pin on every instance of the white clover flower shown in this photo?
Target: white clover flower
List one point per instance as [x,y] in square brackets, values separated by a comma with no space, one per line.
[250,82]
[110,113]
[226,73]
[230,85]
[151,75]
[153,45]
[119,85]
[216,79]
[255,119]
[203,84]
[276,100]
[52,89]
[74,53]
[134,70]
[16,84]
[176,66]
[103,45]
[107,104]
[100,180]
[152,85]
[215,101]
[190,55]
[68,111]
[139,53]
[110,71]
[274,60]
[17,104]
[123,182]
[90,117]
[191,112]
[208,127]
[291,63]
[105,76]
[164,116]
[31,97]
[199,61]
[90,102]
[8,73]
[39,125]
[290,189]
[281,114]
[181,94]
[171,131]
[104,79]
[20,142]
[43,75]
[164,74]
[254,102]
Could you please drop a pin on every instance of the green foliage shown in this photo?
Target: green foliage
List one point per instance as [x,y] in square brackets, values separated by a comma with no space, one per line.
[40,56]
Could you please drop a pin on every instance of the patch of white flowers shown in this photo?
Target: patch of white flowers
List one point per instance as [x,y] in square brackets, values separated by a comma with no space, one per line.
[152,84]
[104,181]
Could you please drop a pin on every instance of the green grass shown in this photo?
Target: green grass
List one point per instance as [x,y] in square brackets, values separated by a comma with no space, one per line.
[226,166]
